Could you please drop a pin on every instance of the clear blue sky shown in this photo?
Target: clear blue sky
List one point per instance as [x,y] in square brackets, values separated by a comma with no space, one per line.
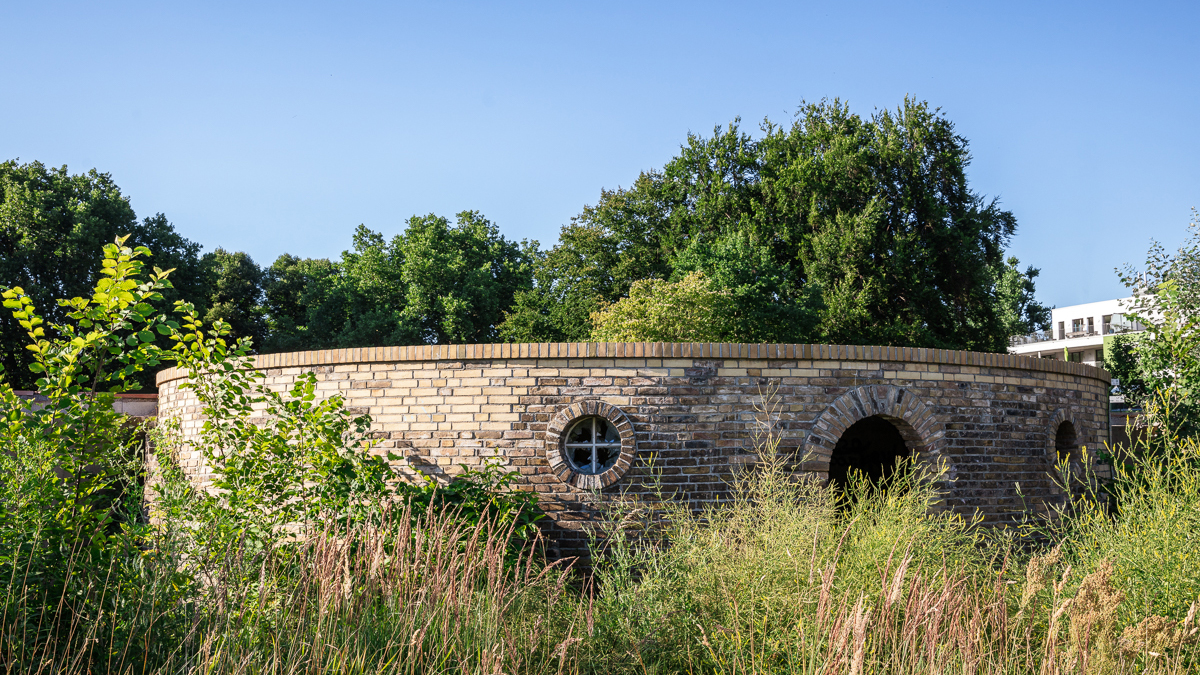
[280,127]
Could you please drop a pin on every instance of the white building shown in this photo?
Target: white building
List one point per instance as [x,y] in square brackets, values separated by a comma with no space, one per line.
[1077,333]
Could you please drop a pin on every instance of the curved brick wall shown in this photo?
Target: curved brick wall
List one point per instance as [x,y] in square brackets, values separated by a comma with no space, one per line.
[991,418]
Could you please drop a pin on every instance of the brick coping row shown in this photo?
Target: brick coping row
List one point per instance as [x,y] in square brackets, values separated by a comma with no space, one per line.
[663,350]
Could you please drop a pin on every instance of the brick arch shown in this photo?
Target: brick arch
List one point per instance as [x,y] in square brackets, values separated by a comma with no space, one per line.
[1057,418]
[923,432]
[1076,460]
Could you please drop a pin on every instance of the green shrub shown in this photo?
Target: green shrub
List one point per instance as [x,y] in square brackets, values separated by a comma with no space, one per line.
[285,464]
[71,527]
[93,585]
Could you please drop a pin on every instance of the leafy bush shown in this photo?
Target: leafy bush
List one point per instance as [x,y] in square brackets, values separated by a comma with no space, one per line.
[285,464]
[72,535]
[91,582]
[1166,357]
[688,310]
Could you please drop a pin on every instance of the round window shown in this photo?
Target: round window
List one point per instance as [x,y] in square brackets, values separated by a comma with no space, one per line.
[593,445]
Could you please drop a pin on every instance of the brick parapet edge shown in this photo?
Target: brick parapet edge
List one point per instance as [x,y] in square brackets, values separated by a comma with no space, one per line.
[664,350]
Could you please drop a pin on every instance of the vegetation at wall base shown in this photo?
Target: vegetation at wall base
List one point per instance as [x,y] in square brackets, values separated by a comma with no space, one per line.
[94,583]
[780,580]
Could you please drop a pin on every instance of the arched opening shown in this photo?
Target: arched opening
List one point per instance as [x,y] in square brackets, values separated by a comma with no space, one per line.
[1066,474]
[871,446]
[1066,442]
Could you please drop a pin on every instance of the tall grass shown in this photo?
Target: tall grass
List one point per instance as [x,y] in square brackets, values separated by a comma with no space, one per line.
[784,578]
[790,577]
[405,595]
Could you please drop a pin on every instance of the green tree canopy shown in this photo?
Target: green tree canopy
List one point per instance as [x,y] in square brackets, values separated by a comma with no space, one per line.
[461,278]
[436,283]
[235,289]
[688,310]
[836,227]
[293,290]
[1019,312]
[53,228]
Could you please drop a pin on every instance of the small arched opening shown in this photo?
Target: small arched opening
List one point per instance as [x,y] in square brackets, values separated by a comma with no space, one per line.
[872,446]
[1066,459]
[1066,442]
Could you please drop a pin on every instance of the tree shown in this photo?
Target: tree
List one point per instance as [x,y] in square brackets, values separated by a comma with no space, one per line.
[294,290]
[764,306]
[461,278]
[867,224]
[367,299]
[235,293]
[1019,312]
[53,229]
[437,283]
[1163,375]
[688,310]
[570,282]
[1121,360]
[354,302]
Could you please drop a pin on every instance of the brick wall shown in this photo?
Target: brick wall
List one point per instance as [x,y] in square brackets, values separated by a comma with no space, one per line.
[693,408]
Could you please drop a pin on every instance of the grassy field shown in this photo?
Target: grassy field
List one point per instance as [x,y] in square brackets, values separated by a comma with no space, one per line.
[783,579]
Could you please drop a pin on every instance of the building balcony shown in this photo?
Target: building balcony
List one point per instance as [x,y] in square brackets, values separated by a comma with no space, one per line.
[1048,336]
[1122,328]
[1018,340]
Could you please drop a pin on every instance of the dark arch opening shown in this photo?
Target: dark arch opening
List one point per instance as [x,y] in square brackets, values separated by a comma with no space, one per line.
[871,446]
[1066,470]
[1066,441]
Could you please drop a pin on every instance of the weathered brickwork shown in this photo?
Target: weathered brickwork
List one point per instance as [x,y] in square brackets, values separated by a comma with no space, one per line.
[688,412]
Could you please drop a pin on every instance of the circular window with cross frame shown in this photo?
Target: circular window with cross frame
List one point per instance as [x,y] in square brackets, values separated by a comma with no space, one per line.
[590,444]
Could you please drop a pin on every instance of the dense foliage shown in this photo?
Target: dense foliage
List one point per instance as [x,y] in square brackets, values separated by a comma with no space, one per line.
[688,310]
[867,222]
[435,283]
[1164,360]
[836,227]
[76,545]
[53,226]
[310,555]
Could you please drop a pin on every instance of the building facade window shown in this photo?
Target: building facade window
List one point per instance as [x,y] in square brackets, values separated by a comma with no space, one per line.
[1061,332]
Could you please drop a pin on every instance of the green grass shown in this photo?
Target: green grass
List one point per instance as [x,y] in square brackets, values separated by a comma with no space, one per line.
[781,579]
